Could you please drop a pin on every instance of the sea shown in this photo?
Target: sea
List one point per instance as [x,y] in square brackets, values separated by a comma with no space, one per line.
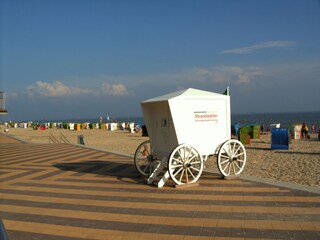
[285,119]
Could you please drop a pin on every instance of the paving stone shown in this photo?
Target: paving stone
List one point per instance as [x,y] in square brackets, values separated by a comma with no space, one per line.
[62,191]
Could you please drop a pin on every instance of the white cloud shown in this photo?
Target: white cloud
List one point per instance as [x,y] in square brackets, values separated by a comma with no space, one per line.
[114,89]
[130,85]
[59,89]
[184,78]
[227,74]
[11,95]
[263,45]
[55,89]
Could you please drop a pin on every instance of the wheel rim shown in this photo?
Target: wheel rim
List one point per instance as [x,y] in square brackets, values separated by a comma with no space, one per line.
[231,158]
[144,160]
[185,165]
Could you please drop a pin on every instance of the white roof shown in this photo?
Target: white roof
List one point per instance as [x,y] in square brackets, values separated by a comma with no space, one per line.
[189,92]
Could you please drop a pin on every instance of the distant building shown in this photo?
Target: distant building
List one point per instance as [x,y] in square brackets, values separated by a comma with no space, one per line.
[3,109]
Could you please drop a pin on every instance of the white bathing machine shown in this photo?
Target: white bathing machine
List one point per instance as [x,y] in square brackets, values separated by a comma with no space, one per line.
[185,128]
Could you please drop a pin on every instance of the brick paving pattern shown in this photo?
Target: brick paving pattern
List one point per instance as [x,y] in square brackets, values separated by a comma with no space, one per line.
[66,192]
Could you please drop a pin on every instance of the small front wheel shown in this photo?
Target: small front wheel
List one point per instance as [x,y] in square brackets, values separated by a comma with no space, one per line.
[231,158]
[185,165]
[144,160]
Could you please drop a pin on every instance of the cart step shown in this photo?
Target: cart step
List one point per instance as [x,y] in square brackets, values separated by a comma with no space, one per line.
[160,181]
[160,175]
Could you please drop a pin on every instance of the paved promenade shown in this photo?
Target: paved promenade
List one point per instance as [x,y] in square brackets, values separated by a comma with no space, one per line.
[67,192]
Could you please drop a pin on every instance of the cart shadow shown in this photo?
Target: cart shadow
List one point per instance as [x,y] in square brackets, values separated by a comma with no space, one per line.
[122,171]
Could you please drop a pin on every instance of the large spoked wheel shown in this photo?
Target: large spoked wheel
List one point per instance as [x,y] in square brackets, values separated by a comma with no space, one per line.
[231,158]
[185,165]
[144,160]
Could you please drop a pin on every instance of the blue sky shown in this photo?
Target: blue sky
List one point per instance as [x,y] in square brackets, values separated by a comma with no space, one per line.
[86,58]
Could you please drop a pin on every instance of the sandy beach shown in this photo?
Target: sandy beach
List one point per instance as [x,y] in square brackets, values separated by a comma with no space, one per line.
[300,164]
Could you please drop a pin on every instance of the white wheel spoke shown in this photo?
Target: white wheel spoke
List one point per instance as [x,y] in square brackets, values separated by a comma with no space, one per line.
[223,156]
[177,172]
[226,166]
[176,166]
[145,151]
[187,178]
[196,169]
[237,165]
[234,146]
[234,170]
[145,168]
[193,163]
[238,149]
[240,154]
[144,161]
[224,161]
[191,173]
[193,157]
[181,153]
[225,151]
[181,175]
[230,149]
[178,160]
